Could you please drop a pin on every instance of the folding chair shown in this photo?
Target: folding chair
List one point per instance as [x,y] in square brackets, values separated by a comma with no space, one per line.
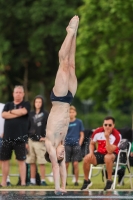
[126,163]
[99,168]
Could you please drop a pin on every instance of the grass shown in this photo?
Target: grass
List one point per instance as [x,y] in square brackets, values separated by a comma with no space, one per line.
[97,180]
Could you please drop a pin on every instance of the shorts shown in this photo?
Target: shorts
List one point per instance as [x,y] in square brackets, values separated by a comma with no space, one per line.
[9,146]
[73,153]
[100,157]
[36,152]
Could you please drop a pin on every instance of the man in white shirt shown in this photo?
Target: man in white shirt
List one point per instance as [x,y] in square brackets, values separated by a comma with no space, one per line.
[2,120]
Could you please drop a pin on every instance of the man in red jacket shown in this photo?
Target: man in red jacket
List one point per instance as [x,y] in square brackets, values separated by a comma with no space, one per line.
[107,139]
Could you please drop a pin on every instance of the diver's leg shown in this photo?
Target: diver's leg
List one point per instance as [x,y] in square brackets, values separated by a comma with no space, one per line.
[62,77]
[72,85]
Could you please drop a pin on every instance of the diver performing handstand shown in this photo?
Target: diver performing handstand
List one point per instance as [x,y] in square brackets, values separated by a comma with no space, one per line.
[61,96]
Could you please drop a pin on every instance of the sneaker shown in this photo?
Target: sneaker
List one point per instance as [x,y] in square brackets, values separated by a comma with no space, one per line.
[8,183]
[32,184]
[44,183]
[76,184]
[28,183]
[73,179]
[50,178]
[109,185]
[86,185]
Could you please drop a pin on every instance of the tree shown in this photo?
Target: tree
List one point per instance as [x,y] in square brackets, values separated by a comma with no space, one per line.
[2,79]
[104,55]
[34,31]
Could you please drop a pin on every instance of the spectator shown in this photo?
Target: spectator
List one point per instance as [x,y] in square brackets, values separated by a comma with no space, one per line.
[1,129]
[108,139]
[36,148]
[15,133]
[73,142]
[1,138]
[131,155]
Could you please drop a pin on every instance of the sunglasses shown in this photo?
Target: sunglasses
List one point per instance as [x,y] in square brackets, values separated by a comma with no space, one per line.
[108,125]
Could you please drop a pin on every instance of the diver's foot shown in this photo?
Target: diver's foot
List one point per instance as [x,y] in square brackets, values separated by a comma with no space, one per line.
[77,26]
[60,191]
[73,25]
[64,190]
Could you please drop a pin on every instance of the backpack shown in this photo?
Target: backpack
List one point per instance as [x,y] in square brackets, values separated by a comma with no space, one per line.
[123,146]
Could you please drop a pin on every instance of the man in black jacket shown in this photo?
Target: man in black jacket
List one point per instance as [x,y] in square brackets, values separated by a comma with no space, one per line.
[36,149]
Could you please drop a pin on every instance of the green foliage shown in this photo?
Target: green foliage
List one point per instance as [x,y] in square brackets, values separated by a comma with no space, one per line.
[30,37]
[3,80]
[104,53]
[94,119]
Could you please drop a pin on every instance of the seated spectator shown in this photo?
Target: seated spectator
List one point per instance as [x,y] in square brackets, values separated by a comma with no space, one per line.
[36,148]
[73,142]
[107,138]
